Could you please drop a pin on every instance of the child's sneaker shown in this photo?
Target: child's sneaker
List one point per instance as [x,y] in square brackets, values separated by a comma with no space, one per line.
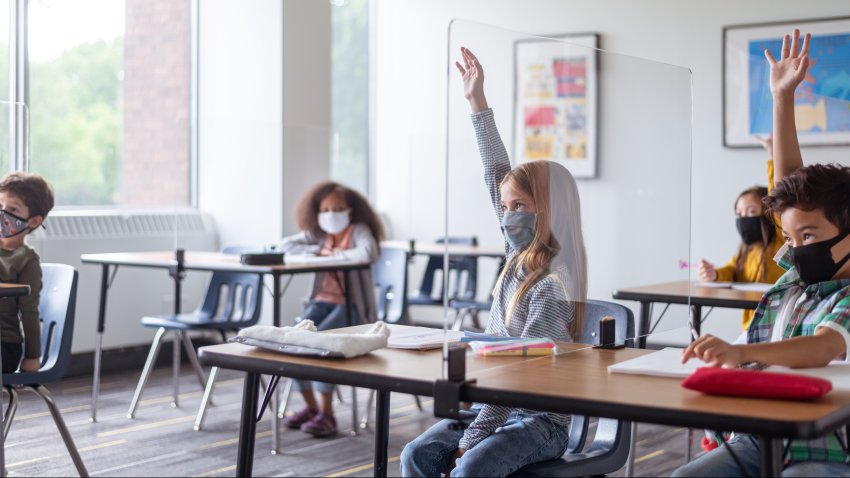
[321,425]
[708,444]
[296,420]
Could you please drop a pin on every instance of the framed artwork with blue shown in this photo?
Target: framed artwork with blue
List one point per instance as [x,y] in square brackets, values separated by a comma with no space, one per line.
[822,101]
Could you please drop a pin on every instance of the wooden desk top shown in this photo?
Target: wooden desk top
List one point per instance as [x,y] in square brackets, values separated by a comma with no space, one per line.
[575,381]
[435,249]
[13,290]
[684,292]
[212,261]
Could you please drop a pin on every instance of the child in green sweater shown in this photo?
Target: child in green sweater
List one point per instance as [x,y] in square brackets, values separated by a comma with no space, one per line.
[25,200]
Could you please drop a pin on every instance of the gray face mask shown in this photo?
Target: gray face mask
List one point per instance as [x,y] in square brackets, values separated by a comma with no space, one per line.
[518,228]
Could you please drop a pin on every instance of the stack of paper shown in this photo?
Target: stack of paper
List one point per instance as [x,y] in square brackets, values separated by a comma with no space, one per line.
[420,338]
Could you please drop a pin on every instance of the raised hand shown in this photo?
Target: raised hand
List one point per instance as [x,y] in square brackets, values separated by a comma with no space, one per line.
[766,143]
[473,80]
[792,66]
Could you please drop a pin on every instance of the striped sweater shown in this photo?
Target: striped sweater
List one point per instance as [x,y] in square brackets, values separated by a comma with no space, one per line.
[544,311]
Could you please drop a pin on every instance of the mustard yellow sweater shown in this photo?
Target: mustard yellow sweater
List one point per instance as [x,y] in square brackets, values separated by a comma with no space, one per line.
[752,264]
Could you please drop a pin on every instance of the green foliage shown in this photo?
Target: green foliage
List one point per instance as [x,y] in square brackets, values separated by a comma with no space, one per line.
[76,122]
[350,93]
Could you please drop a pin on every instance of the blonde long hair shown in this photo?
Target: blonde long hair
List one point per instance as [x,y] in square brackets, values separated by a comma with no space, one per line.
[557,248]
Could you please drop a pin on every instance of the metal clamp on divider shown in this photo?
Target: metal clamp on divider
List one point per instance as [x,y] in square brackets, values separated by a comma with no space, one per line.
[447,392]
[178,270]
[608,334]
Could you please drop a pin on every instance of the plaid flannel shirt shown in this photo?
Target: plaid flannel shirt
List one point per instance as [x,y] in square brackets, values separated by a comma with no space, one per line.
[825,304]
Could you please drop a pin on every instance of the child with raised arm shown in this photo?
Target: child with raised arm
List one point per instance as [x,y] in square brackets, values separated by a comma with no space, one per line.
[25,200]
[761,238]
[539,293]
[335,221]
[804,320]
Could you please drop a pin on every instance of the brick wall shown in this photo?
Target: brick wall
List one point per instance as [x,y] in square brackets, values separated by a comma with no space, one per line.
[155,162]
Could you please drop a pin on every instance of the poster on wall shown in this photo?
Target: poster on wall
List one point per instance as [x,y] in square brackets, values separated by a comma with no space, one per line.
[821,102]
[555,101]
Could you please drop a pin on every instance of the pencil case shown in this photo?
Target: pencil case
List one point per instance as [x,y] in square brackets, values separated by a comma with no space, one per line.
[261,258]
[756,384]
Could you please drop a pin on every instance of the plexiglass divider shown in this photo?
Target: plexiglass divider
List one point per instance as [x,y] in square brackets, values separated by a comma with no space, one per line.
[579,166]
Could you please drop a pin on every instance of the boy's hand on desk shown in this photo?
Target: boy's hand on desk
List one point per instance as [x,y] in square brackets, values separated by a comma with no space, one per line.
[713,351]
[30,364]
[706,271]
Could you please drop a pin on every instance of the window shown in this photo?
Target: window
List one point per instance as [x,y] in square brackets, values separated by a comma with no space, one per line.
[350,93]
[109,97]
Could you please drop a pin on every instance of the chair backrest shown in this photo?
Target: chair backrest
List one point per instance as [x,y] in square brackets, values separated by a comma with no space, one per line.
[624,325]
[458,265]
[233,298]
[390,275]
[56,308]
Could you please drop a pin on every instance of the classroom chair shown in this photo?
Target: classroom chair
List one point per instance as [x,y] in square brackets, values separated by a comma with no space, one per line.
[460,267]
[611,444]
[471,308]
[231,302]
[56,308]
[390,275]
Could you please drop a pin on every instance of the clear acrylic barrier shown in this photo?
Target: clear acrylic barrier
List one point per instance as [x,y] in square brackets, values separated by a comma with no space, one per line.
[580,125]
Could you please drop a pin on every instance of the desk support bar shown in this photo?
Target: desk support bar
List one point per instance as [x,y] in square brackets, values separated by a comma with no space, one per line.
[382,433]
[98,340]
[248,426]
[771,456]
[447,392]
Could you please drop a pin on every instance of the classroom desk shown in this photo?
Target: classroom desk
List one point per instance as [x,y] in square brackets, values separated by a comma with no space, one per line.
[199,261]
[684,293]
[436,249]
[576,381]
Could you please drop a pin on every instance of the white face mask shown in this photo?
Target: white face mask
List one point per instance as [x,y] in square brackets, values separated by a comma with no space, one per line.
[334,222]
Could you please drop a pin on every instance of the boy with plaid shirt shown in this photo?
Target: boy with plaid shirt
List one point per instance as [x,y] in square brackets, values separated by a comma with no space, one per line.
[804,319]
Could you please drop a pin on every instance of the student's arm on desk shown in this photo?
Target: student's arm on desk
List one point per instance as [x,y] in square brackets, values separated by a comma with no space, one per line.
[364,247]
[797,352]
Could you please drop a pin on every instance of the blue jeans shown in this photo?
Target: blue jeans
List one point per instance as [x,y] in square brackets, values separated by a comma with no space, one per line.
[325,316]
[523,439]
[719,463]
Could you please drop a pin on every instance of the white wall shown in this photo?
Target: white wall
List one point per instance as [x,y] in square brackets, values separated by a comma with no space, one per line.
[263,118]
[411,106]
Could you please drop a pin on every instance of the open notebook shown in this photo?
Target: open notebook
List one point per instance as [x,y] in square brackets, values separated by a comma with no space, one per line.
[745,286]
[667,362]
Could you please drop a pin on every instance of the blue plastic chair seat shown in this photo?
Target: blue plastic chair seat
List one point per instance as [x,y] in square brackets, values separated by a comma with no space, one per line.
[190,321]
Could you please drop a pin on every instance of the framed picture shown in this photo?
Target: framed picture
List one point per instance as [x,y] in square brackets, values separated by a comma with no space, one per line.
[821,102]
[556,101]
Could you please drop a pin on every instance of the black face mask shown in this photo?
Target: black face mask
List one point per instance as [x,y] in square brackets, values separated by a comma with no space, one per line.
[814,261]
[749,228]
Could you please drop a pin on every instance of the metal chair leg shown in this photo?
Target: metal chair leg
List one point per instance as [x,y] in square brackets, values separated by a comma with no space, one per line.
[175,370]
[10,410]
[418,402]
[205,401]
[193,358]
[364,423]
[339,394]
[146,372]
[689,451]
[354,411]
[287,392]
[63,430]
[630,463]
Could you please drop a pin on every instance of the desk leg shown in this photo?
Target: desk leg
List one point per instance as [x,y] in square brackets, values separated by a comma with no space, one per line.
[771,456]
[248,426]
[644,324]
[276,319]
[697,318]
[349,321]
[382,433]
[98,340]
